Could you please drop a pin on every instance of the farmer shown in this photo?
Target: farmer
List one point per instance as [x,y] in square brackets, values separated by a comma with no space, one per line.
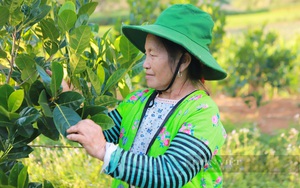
[170,134]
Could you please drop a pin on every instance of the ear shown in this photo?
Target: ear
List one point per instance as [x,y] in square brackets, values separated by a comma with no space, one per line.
[185,62]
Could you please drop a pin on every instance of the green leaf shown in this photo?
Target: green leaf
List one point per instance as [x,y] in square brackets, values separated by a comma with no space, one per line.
[23,178]
[56,79]
[69,5]
[37,14]
[82,20]
[95,81]
[15,100]
[5,90]
[25,135]
[27,66]
[3,54]
[45,77]
[28,116]
[64,118]
[49,30]
[35,89]
[79,39]
[137,68]
[70,99]
[50,47]
[47,127]
[88,8]
[114,79]
[93,110]
[103,120]
[66,20]
[44,102]
[12,5]
[127,49]
[47,184]
[101,73]
[4,15]
[124,89]
[105,100]
[19,153]
[77,64]
[3,176]
[4,121]
[14,174]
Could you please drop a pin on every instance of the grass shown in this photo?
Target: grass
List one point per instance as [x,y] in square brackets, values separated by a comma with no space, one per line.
[64,167]
[284,20]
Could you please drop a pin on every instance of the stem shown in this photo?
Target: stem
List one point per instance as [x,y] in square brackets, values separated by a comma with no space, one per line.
[2,158]
[54,146]
[12,60]
[13,54]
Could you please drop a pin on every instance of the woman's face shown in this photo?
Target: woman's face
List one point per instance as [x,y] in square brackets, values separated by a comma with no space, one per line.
[156,65]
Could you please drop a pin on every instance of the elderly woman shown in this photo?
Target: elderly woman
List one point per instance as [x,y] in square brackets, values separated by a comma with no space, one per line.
[170,134]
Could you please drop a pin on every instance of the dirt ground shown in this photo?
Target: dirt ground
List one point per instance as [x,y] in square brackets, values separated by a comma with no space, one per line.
[276,114]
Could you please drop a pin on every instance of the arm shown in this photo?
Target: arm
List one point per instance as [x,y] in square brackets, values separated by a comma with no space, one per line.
[112,134]
[185,157]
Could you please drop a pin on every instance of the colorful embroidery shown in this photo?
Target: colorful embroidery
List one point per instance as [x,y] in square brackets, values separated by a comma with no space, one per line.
[195,97]
[215,120]
[204,140]
[218,181]
[136,124]
[164,138]
[122,137]
[215,151]
[202,106]
[187,128]
[137,96]
[203,183]
[207,166]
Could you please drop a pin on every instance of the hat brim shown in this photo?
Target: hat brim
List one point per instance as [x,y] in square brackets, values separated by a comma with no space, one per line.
[137,34]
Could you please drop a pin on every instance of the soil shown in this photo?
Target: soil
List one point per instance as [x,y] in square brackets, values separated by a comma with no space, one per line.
[279,113]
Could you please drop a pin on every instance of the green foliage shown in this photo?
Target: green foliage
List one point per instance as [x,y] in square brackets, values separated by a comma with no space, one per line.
[258,60]
[38,36]
[253,159]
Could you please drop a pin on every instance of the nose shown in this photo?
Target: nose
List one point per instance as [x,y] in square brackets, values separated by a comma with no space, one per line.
[146,64]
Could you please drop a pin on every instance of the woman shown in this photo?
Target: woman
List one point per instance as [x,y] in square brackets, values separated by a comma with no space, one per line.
[170,134]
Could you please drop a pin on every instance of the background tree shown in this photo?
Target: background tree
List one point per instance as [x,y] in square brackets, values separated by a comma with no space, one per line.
[256,61]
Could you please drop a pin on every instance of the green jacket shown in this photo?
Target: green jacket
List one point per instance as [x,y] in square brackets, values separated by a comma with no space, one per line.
[196,116]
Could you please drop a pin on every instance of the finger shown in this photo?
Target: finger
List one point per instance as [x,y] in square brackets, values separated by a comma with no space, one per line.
[73,129]
[76,137]
[49,72]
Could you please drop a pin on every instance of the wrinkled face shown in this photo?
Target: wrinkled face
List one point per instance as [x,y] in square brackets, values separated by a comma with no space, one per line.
[156,65]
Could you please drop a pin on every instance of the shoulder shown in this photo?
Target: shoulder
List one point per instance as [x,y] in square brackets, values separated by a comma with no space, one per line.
[138,95]
[200,100]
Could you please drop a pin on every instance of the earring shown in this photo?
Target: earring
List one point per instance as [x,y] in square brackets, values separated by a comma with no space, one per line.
[179,74]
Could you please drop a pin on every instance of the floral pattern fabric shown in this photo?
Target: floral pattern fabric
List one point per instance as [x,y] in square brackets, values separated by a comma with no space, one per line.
[197,115]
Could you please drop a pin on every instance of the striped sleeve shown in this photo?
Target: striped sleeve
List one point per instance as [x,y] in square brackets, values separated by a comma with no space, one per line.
[112,134]
[185,157]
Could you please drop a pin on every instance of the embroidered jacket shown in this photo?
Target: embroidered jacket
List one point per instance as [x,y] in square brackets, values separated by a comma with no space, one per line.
[184,153]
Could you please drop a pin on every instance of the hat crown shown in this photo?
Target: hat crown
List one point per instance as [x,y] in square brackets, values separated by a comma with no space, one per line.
[190,21]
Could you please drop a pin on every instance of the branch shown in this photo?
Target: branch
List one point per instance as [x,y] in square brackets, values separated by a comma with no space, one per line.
[54,146]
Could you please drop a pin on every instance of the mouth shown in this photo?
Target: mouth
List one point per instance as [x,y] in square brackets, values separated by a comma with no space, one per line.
[148,75]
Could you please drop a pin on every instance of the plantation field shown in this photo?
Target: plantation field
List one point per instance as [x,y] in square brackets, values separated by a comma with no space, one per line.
[263,144]
[285,20]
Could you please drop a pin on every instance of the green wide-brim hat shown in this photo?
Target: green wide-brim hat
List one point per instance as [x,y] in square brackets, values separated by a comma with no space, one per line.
[187,26]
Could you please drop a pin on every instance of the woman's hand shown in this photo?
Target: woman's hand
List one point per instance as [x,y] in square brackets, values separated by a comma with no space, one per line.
[90,136]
